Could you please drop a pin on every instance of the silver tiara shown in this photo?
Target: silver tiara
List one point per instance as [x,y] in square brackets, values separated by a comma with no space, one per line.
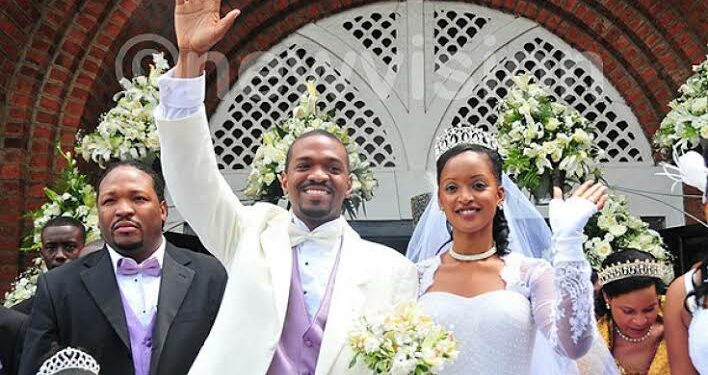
[464,134]
[69,359]
[638,268]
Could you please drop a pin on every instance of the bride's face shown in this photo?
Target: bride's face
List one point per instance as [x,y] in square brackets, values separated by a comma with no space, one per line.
[635,312]
[469,192]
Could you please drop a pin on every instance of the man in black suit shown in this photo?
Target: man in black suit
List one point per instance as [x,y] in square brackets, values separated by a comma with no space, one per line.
[12,328]
[62,240]
[139,306]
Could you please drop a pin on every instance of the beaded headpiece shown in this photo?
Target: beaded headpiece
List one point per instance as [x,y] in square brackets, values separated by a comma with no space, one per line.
[464,134]
[636,268]
[69,359]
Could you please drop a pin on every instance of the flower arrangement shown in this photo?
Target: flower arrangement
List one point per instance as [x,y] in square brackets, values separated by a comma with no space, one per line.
[25,285]
[614,228]
[538,135]
[269,161]
[73,196]
[687,122]
[404,342]
[127,131]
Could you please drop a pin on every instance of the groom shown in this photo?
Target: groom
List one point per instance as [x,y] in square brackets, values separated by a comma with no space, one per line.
[297,280]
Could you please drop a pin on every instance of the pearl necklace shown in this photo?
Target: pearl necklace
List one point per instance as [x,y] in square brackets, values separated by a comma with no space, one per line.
[472,257]
[633,340]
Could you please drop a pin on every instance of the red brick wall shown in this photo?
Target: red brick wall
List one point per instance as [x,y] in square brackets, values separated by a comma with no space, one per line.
[58,64]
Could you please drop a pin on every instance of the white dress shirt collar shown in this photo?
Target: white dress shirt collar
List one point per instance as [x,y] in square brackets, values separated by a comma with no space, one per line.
[158,254]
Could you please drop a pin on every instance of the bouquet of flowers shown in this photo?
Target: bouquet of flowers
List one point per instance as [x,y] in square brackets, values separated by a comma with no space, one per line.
[269,162]
[614,228]
[404,342]
[538,136]
[687,122]
[25,285]
[127,131]
[73,196]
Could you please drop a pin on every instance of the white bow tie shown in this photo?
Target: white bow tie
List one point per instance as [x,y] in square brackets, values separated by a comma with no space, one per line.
[323,236]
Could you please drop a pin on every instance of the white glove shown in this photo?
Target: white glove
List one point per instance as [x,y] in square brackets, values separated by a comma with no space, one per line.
[568,218]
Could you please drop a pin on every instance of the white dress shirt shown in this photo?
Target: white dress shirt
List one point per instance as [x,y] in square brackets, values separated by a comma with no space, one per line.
[315,263]
[140,291]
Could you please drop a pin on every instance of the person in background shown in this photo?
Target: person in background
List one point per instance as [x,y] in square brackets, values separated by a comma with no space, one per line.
[62,239]
[107,302]
[12,330]
[629,312]
[686,302]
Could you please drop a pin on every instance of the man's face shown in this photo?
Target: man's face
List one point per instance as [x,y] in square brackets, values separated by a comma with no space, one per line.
[317,180]
[60,245]
[130,215]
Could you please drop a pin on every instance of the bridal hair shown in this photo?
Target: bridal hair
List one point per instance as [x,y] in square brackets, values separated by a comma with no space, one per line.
[618,286]
[500,227]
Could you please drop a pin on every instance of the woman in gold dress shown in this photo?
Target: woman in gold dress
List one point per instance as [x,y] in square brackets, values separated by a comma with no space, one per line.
[629,312]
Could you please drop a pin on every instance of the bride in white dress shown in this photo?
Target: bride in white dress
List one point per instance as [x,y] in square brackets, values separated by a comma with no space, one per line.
[495,301]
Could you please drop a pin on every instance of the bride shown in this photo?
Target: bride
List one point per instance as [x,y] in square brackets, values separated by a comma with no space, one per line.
[493,299]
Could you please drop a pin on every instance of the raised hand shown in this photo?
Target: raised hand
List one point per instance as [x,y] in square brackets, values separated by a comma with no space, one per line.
[568,218]
[199,26]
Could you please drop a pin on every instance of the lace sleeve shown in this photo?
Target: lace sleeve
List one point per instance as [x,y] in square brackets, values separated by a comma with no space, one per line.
[426,272]
[561,298]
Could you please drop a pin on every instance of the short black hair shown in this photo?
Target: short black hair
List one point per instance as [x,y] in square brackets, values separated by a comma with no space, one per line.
[313,133]
[65,221]
[158,183]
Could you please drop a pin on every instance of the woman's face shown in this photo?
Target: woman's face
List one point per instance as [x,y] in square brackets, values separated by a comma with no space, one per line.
[468,192]
[636,311]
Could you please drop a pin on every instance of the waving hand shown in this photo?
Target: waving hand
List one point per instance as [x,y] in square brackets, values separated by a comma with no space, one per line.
[199,26]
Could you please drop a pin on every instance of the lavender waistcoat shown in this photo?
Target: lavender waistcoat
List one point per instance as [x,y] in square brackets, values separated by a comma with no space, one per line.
[140,339]
[300,341]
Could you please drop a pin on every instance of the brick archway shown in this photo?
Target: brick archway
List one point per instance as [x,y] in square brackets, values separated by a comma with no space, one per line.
[59,68]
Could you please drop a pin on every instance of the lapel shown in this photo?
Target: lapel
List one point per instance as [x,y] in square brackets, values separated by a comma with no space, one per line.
[275,243]
[348,297]
[100,281]
[176,278]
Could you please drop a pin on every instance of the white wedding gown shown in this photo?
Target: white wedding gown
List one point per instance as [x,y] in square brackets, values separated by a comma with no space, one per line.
[496,331]
[698,329]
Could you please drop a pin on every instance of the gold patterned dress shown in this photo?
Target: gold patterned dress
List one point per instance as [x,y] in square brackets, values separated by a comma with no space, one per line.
[660,363]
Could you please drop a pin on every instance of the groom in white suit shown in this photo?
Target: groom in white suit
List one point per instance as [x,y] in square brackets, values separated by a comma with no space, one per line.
[297,280]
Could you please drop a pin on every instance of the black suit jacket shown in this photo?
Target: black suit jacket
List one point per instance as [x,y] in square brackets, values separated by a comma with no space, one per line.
[25,306]
[79,305]
[12,331]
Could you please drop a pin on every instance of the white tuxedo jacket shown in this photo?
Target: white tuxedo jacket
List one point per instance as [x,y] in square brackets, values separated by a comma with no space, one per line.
[253,244]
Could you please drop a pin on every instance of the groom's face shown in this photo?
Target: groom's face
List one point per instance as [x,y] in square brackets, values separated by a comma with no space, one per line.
[317,179]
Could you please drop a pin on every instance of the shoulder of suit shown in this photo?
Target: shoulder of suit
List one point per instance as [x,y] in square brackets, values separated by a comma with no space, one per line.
[202,260]
[75,267]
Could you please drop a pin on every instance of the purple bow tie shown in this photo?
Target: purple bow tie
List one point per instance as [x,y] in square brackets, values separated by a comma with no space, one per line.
[129,267]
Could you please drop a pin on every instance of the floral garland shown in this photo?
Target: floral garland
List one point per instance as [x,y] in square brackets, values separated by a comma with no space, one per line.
[405,342]
[25,285]
[687,122]
[614,228]
[73,196]
[269,162]
[538,135]
[127,131]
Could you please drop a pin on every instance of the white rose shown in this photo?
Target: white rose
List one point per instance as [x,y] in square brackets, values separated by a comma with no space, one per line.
[617,230]
[603,249]
[552,124]
[698,105]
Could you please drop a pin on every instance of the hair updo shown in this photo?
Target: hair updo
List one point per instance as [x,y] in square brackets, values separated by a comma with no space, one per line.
[500,227]
[628,285]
